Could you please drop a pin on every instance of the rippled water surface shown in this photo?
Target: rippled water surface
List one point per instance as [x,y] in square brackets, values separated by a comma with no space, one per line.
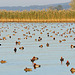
[49,57]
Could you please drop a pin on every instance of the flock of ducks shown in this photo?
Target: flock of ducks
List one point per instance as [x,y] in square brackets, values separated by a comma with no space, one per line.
[68,31]
[34,64]
[67,63]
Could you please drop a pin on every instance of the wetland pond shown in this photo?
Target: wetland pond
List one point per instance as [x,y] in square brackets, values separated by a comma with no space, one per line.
[29,34]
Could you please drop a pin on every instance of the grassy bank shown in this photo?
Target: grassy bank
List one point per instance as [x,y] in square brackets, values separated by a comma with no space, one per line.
[37,16]
[35,20]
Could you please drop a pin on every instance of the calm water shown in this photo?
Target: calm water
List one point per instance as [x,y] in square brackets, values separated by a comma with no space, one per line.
[49,57]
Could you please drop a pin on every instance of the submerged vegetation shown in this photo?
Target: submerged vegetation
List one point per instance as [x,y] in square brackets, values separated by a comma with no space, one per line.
[44,15]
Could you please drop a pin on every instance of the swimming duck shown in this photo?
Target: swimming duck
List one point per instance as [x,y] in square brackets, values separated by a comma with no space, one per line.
[48,35]
[27,69]
[41,46]
[16,42]
[35,39]
[47,44]
[4,38]
[0,39]
[72,70]
[60,41]
[54,38]
[15,50]
[63,39]
[62,59]
[19,43]
[72,46]
[19,38]
[2,61]
[67,63]
[34,58]
[41,33]
[21,48]
[36,65]
[9,36]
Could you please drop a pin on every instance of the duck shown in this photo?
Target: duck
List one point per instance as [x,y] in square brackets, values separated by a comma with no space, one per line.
[36,65]
[9,36]
[41,33]
[21,48]
[23,34]
[0,39]
[54,38]
[4,38]
[27,69]
[35,39]
[63,39]
[72,70]
[15,49]
[67,63]
[16,42]
[72,46]
[48,35]
[19,43]
[19,38]
[34,58]
[2,61]
[60,41]
[62,59]
[47,44]
[41,46]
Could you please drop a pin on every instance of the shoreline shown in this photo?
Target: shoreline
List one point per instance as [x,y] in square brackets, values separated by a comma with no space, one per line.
[37,20]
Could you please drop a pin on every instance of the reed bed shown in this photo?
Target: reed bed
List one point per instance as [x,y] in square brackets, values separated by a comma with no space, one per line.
[37,16]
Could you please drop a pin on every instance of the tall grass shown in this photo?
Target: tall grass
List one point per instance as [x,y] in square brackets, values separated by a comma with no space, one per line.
[38,14]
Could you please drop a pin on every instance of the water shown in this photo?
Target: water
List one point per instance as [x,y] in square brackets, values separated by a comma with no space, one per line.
[49,57]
